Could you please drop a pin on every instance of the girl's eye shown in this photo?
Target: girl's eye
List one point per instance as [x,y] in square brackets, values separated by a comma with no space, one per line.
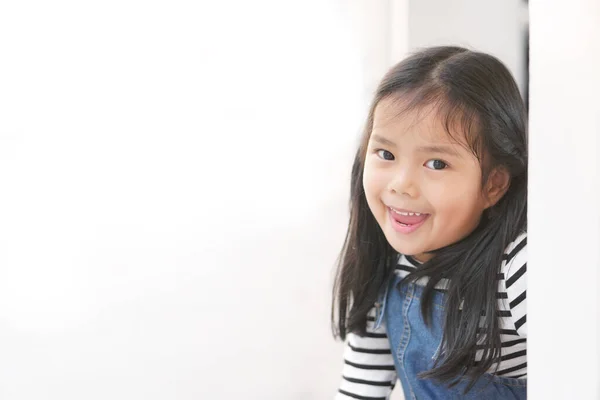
[436,164]
[386,155]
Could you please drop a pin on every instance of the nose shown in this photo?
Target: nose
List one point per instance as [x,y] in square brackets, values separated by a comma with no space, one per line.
[404,182]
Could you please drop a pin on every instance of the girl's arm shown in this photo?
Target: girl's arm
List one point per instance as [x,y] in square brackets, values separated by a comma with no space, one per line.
[368,370]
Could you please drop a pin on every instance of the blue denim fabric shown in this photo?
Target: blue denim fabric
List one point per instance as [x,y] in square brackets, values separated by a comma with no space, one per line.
[415,347]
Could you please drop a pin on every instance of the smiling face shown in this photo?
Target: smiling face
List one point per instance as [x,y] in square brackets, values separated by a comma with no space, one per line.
[422,186]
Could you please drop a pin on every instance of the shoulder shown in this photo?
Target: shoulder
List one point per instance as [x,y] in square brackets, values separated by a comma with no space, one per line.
[514,247]
[514,271]
[514,262]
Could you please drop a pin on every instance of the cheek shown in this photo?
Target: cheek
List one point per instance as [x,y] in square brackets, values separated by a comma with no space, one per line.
[457,202]
[372,181]
[374,184]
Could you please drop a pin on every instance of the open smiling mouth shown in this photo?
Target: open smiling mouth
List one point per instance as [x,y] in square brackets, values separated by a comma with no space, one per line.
[405,221]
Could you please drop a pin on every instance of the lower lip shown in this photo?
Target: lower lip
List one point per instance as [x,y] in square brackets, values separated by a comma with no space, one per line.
[398,227]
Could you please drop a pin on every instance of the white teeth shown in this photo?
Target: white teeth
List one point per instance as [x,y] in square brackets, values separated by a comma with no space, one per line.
[406,213]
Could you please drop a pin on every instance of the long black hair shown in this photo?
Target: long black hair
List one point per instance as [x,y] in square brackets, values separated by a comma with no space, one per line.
[475,95]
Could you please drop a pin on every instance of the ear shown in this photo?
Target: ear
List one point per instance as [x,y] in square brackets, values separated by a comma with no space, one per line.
[496,186]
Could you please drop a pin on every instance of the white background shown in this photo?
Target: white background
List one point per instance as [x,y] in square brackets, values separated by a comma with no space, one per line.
[564,279]
[174,187]
[174,182]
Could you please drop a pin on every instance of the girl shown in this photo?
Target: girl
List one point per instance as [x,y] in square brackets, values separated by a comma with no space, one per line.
[430,286]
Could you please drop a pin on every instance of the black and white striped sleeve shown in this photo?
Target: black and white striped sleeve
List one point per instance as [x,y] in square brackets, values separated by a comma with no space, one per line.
[516,283]
[368,372]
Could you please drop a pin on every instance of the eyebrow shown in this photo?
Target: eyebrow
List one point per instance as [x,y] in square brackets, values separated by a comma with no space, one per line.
[382,140]
[422,149]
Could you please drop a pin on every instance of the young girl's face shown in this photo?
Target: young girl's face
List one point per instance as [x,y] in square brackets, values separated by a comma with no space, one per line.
[423,187]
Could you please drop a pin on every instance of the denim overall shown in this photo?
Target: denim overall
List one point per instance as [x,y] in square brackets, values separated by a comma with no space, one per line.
[415,346]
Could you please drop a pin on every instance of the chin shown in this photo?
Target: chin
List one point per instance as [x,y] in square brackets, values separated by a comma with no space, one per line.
[405,248]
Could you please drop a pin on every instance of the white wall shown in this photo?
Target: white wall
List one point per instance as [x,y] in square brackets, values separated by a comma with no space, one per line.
[564,278]
[174,188]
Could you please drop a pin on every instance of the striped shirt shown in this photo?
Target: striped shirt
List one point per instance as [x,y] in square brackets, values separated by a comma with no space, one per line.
[369,372]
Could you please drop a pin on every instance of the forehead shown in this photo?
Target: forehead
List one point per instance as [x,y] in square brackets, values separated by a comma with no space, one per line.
[394,119]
